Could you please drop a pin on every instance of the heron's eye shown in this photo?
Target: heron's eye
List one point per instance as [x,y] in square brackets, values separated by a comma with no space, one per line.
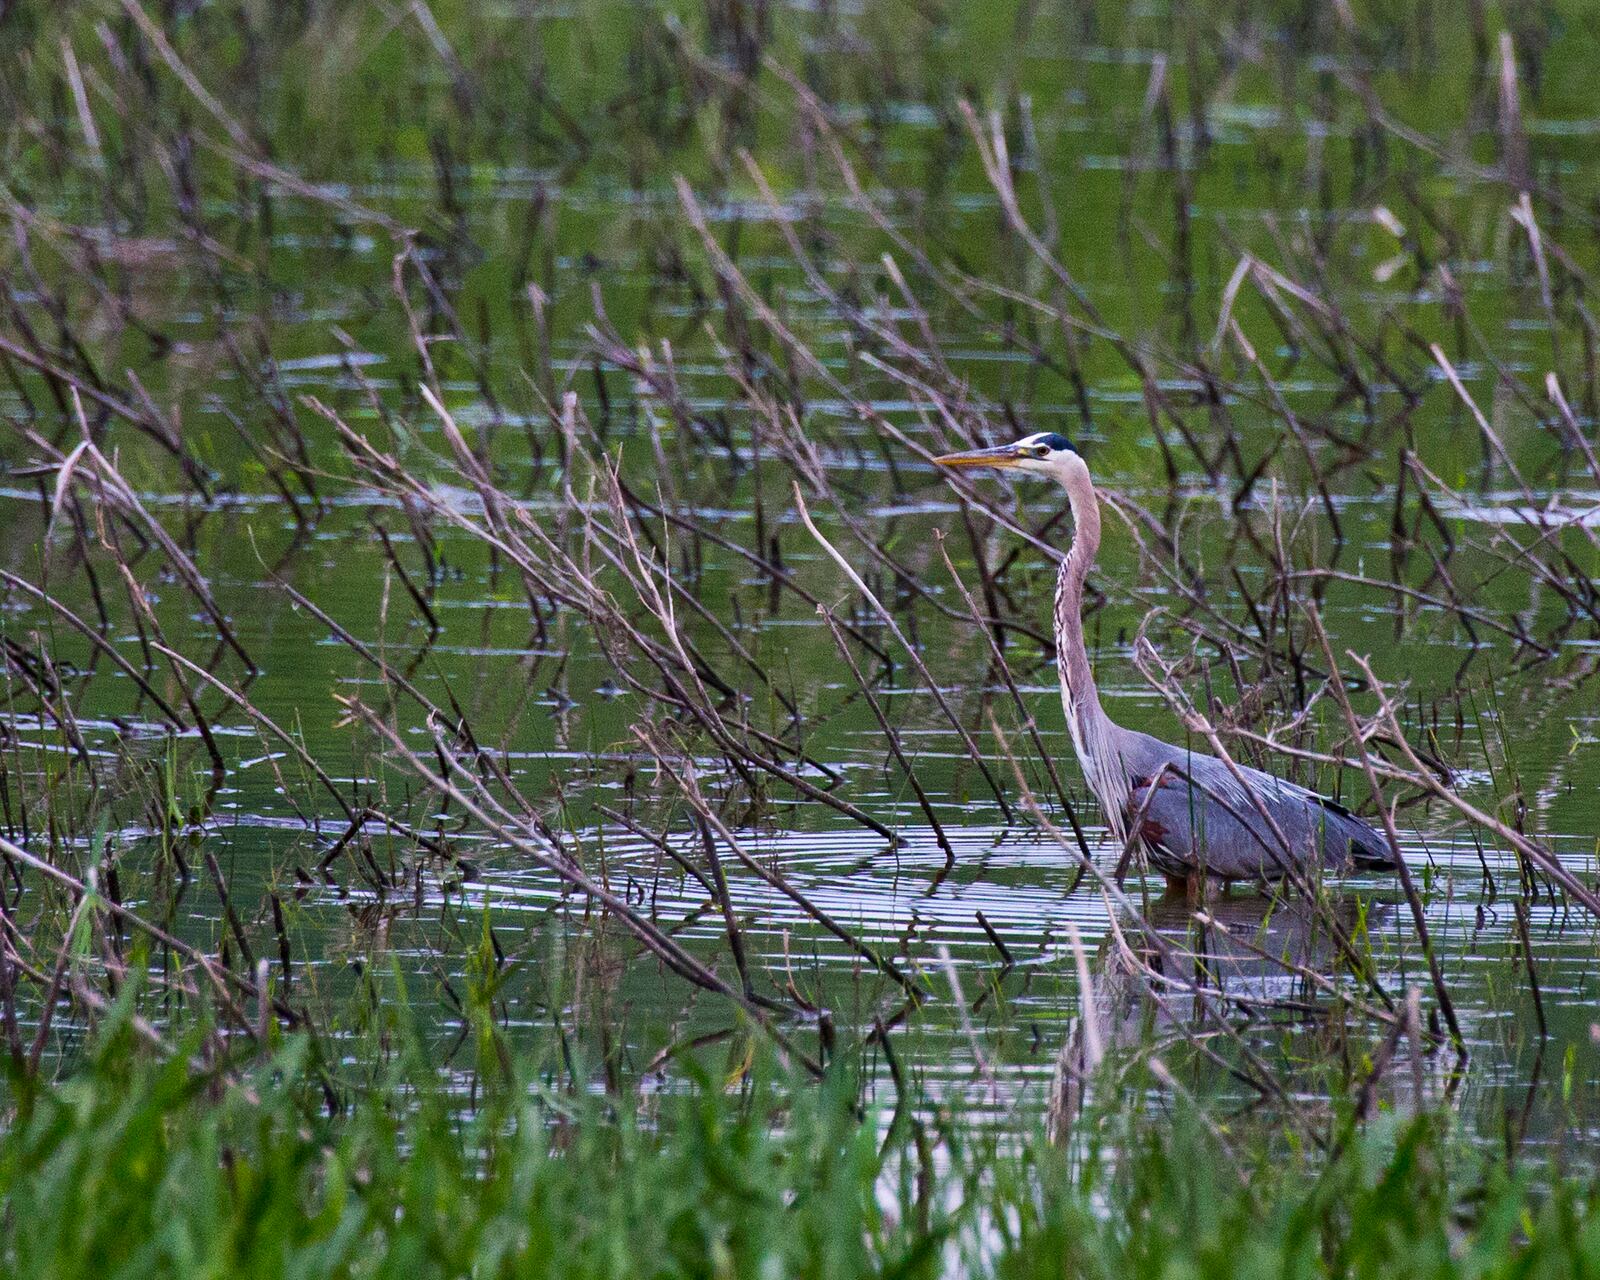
[1041,451]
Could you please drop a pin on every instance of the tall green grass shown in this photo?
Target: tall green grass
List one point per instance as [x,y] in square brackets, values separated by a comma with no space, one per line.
[136,1167]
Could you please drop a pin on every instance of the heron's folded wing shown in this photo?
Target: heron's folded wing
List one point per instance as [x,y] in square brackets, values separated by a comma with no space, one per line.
[1195,814]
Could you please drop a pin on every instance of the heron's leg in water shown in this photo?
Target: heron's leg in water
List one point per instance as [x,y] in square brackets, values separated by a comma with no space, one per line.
[1196,887]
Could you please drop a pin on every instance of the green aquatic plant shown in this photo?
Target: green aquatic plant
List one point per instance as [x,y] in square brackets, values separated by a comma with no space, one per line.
[138,1166]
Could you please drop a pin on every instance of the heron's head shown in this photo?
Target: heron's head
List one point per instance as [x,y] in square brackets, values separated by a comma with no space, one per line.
[1044,453]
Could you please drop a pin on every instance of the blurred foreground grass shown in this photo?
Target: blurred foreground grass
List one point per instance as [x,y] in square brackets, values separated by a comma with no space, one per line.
[134,1168]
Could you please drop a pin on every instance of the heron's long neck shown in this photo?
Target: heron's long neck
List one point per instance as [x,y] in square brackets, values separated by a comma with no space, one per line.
[1085,719]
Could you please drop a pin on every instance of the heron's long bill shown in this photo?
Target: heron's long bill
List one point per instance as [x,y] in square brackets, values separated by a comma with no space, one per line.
[1002,455]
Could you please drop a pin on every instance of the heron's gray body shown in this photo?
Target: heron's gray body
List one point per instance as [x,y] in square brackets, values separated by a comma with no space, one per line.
[1188,813]
[1192,815]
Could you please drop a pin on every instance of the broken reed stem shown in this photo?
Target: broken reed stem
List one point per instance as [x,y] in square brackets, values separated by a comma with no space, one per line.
[911,652]
[182,566]
[1419,917]
[964,1016]
[266,722]
[890,735]
[101,644]
[689,784]
[1520,909]
[1424,778]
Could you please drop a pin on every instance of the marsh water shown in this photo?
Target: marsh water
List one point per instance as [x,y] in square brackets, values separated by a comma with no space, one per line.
[1160,147]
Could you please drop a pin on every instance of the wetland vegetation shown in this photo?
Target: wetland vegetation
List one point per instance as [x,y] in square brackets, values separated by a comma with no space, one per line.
[513,759]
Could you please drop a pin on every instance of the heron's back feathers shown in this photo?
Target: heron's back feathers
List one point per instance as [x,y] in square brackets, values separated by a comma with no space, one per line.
[1192,814]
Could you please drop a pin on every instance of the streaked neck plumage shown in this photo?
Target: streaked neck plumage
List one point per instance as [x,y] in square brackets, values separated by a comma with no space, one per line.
[1093,734]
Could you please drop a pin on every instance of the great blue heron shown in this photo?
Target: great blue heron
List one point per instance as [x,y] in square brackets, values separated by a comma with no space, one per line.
[1195,821]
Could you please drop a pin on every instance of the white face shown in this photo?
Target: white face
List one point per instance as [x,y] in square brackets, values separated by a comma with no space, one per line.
[1035,453]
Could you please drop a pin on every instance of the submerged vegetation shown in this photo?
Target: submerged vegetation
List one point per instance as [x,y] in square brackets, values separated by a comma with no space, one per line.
[511,759]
